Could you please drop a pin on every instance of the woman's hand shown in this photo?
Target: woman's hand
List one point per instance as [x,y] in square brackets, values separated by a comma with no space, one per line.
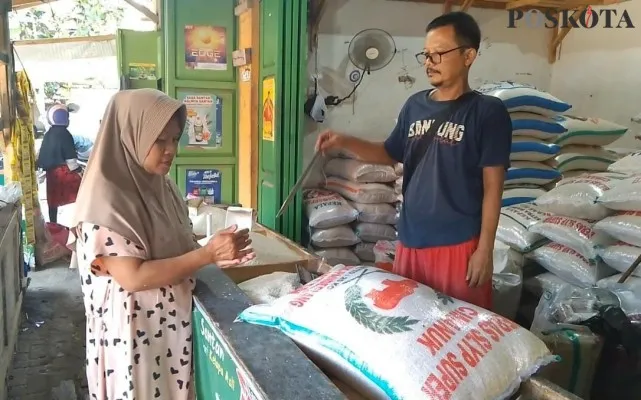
[229,247]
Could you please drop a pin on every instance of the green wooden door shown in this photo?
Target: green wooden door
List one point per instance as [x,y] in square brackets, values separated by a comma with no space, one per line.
[199,38]
[139,61]
[283,60]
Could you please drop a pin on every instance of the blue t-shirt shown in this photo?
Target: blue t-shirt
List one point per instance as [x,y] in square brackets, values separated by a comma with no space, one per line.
[443,199]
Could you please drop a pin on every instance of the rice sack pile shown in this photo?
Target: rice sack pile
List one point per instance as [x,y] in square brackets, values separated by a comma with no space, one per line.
[371,191]
[393,338]
[534,116]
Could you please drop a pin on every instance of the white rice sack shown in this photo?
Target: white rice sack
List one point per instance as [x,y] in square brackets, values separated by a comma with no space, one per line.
[620,256]
[398,168]
[632,283]
[576,197]
[365,252]
[630,164]
[382,213]
[368,232]
[506,294]
[427,345]
[575,157]
[338,255]
[267,288]
[626,196]
[358,171]
[577,234]
[536,126]
[326,209]
[530,172]
[517,194]
[523,97]
[398,185]
[625,226]
[337,236]
[576,173]
[569,265]
[506,260]
[545,282]
[370,193]
[514,224]
[589,131]
[526,148]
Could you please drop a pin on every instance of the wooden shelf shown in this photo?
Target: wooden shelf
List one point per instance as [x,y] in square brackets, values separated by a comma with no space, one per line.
[522,4]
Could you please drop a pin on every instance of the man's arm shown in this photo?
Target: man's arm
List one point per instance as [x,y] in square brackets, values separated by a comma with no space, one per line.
[366,151]
[389,152]
[496,144]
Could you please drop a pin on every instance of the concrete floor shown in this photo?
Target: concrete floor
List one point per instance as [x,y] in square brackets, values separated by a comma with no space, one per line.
[49,362]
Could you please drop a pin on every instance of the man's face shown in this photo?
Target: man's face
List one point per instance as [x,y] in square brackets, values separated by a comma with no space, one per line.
[454,60]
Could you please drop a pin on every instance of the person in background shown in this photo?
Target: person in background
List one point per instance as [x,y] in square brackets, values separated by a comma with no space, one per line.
[136,253]
[454,144]
[59,159]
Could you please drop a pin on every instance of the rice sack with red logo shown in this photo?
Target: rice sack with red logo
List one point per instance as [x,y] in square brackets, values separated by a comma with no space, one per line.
[393,338]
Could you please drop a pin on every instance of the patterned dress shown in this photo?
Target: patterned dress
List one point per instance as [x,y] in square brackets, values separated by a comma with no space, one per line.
[139,345]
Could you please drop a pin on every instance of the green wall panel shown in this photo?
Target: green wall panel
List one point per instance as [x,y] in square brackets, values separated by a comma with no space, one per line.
[136,49]
[208,180]
[210,111]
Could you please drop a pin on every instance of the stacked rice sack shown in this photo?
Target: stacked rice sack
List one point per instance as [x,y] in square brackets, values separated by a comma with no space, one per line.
[534,116]
[368,190]
[582,145]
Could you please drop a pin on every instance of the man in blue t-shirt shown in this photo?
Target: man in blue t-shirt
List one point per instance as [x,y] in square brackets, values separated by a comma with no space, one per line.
[454,144]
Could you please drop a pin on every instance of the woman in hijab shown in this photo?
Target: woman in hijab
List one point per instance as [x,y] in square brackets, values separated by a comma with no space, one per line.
[58,158]
[136,253]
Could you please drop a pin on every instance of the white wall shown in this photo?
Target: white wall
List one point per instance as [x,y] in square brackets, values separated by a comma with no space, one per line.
[512,54]
[599,73]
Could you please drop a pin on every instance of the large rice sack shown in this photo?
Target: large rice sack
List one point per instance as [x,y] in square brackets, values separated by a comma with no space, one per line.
[523,97]
[530,172]
[394,338]
[577,234]
[569,265]
[506,260]
[632,283]
[514,224]
[620,256]
[589,131]
[625,196]
[542,283]
[517,194]
[372,233]
[625,226]
[382,213]
[365,252]
[575,157]
[630,164]
[336,236]
[576,197]
[358,171]
[384,254]
[534,125]
[326,209]
[531,149]
[369,193]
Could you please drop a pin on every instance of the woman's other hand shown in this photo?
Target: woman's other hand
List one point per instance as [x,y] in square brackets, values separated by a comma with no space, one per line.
[230,247]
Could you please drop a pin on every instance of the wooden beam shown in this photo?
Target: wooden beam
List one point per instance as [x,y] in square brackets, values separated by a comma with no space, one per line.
[447,6]
[144,10]
[561,34]
[466,5]
[98,38]
[521,3]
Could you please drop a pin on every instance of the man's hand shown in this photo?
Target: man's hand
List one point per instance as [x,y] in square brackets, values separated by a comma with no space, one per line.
[329,140]
[480,267]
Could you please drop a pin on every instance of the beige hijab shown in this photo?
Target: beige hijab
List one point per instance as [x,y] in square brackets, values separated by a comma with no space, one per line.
[116,191]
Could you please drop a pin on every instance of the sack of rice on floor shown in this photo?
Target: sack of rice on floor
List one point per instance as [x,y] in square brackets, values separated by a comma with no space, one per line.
[394,338]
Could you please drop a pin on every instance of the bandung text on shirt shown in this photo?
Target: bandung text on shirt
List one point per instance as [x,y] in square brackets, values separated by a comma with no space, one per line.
[447,133]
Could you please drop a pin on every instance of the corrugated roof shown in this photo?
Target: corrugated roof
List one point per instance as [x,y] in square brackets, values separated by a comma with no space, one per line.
[31,51]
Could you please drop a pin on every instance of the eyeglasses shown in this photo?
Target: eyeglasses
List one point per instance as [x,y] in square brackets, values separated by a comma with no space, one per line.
[435,57]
